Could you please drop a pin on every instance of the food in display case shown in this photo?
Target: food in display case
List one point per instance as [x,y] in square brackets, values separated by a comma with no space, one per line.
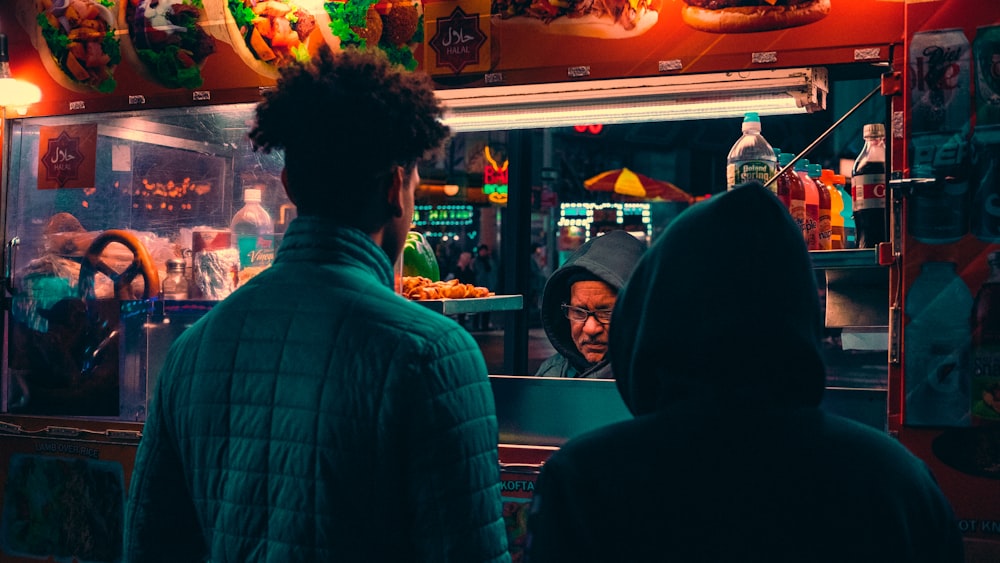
[77,41]
[165,42]
[419,288]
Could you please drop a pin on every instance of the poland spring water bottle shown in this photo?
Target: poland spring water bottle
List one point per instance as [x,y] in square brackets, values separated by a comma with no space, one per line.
[752,157]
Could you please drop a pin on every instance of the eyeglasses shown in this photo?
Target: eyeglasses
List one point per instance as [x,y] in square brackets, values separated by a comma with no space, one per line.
[580,315]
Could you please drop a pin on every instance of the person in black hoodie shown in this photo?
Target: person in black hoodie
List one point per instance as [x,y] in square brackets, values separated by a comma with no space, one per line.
[716,351]
[586,285]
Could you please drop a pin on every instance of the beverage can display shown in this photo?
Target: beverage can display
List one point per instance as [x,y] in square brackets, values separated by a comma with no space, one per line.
[986,54]
[939,81]
[938,209]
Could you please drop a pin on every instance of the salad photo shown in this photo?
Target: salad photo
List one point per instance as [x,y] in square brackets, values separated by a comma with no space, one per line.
[76,39]
[165,42]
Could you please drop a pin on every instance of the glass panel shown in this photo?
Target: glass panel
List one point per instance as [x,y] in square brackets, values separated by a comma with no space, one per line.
[157,177]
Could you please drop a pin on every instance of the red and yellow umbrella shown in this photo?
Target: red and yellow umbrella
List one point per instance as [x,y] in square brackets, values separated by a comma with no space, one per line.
[626,182]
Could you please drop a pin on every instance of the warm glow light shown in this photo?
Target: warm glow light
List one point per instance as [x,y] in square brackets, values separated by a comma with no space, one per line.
[18,95]
[450,190]
[15,94]
[665,98]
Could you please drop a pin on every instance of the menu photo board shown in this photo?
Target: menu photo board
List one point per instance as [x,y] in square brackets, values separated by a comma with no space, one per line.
[478,42]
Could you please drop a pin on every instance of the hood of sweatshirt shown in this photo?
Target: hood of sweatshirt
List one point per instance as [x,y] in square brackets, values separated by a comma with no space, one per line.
[722,313]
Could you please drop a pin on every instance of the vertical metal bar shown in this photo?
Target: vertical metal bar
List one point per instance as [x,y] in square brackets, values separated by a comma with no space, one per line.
[516,233]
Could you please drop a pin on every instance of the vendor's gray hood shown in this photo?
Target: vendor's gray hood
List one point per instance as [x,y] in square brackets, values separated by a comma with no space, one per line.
[609,257]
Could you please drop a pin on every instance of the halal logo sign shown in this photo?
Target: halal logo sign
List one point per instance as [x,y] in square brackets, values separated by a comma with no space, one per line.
[63,158]
[457,40]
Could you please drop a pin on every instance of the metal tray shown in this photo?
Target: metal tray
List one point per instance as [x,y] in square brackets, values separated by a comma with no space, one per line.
[474,304]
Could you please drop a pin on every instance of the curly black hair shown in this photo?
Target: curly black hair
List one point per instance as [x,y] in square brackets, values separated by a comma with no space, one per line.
[345,120]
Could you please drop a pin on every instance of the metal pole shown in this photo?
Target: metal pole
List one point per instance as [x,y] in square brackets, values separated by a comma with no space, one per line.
[820,139]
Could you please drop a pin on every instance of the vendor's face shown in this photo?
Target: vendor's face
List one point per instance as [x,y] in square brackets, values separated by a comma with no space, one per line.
[590,336]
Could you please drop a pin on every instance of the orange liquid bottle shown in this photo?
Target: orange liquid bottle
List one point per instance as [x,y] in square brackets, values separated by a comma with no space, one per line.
[824,225]
[827,176]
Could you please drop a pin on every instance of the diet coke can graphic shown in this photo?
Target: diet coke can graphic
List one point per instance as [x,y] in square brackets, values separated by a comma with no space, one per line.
[986,55]
[939,81]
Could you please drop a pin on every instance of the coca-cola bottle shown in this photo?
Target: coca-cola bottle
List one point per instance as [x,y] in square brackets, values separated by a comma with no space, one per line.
[868,183]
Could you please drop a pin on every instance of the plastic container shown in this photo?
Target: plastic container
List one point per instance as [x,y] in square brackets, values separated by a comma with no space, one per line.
[752,157]
[175,284]
[253,232]
[812,204]
[824,224]
[850,233]
[791,192]
[836,209]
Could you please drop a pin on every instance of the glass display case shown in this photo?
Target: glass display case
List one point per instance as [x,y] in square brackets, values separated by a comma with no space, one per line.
[98,205]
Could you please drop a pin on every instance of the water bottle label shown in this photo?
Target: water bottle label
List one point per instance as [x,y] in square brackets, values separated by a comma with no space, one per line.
[255,250]
[747,170]
[869,191]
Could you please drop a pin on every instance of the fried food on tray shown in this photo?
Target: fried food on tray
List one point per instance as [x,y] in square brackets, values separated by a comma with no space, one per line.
[419,288]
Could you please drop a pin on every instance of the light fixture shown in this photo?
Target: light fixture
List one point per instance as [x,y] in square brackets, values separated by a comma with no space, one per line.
[14,94]
[633,100]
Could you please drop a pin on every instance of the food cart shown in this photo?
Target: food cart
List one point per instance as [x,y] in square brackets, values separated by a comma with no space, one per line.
[103,183]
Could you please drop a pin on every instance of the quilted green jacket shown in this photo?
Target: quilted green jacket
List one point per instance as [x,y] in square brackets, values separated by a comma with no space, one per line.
[314,415]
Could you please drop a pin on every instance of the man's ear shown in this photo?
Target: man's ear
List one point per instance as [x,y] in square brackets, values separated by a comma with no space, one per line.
[395,192]
[284,184]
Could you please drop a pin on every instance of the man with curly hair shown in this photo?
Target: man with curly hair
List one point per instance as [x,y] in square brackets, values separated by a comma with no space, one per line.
[314,414]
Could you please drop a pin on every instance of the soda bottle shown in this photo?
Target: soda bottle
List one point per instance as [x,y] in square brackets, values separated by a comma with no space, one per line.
[824,225]
[850,239]
[986,345]
[868,183]
[253,232]
[937,342]
[836,209]
[812,204]
[791,192]
[752,157]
